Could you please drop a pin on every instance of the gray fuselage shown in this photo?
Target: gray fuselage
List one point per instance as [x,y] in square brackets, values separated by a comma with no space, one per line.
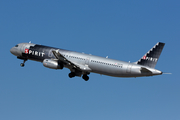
[91,63]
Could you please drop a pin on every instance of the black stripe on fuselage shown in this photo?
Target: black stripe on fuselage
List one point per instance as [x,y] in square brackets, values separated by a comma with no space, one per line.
[39,53]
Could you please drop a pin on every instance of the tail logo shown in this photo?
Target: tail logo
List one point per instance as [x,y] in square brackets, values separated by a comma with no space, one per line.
[150,58]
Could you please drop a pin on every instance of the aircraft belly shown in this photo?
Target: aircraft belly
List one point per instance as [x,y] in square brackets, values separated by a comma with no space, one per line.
[106,70]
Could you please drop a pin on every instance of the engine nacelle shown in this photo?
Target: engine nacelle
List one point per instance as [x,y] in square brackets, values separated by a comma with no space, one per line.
[52,64]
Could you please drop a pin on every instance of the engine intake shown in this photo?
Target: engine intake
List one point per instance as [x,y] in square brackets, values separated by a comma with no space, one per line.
[52,64]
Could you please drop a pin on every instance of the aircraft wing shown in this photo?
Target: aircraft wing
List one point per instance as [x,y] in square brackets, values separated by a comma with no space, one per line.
[63,59]
[83,67]
[60,57]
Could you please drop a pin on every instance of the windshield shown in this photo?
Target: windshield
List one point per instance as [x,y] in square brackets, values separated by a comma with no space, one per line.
[16,45]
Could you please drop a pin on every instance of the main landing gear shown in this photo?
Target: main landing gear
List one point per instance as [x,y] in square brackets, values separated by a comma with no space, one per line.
[72,74]
[85,77]
[22,64]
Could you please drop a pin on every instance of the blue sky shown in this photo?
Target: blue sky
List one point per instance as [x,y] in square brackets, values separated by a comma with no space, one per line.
[123,30]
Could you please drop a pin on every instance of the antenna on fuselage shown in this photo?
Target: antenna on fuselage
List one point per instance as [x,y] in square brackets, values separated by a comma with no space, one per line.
[29,41]
[106,56]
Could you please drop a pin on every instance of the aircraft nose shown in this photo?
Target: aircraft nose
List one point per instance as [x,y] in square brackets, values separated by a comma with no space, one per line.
[13,51]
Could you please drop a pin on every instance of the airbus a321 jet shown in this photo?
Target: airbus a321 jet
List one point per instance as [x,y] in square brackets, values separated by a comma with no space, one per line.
[81,64]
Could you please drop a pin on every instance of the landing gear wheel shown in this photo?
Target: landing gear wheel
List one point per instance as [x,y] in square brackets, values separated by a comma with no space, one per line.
[22,64]
[71,75]
[85,77]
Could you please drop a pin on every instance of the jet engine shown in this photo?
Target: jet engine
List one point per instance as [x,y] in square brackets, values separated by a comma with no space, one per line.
[52,64]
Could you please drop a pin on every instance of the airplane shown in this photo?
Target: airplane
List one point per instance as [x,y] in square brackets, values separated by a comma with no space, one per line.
[81,64]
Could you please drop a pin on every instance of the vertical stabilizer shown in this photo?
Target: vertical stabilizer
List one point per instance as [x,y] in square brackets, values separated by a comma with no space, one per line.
[151,57]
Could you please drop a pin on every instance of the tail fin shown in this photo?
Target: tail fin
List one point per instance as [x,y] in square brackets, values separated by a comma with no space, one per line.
[151,57]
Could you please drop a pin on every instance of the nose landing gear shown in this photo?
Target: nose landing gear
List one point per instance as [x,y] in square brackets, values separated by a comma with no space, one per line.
[22,64]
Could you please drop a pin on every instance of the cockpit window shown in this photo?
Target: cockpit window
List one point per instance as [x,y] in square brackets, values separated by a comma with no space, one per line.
[16,45]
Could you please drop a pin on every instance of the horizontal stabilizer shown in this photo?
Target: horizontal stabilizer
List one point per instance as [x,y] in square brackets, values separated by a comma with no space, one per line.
[145,70]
